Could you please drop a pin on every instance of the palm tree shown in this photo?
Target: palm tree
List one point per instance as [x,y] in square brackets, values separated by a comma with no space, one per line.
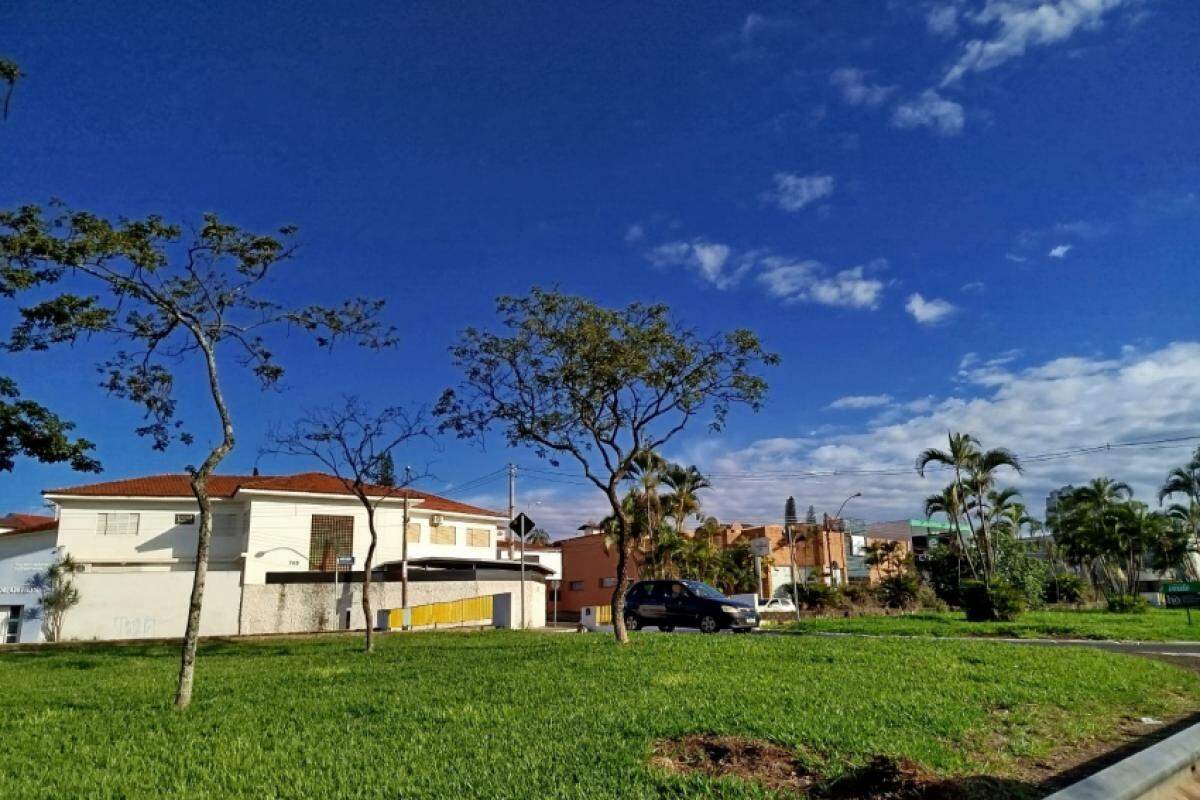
[684,483]
[974,475]
[949,502]
[538,536]
[1087,525]
[1185,480]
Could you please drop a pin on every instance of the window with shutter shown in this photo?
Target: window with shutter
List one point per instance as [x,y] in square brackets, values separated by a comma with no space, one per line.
[330,538]
[118,524]
[414,533]
[442,534]
[479,537]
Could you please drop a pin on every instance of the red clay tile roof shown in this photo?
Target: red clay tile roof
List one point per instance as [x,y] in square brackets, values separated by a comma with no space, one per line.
[27,523]
[226,486]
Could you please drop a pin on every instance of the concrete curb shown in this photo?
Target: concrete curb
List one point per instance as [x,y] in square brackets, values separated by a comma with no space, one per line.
[1164,770]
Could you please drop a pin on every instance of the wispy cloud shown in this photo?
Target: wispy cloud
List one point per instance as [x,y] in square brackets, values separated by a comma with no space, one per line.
[930,110]
[1060,251]
[860,401]
[794,192]
[928,312]
[851,82]
[712,261]
[810,282]
[634,234]
[974,287]
[1020,25]
[942,20]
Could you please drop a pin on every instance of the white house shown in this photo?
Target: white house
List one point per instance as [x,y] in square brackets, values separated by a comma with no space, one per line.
[276,546]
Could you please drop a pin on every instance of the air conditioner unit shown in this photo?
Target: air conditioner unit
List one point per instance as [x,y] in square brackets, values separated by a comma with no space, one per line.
[436,520]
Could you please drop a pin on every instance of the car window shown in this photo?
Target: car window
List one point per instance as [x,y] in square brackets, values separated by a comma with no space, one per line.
[702,589]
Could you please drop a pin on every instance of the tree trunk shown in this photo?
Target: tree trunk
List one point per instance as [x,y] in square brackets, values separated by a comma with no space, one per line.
[618,598]
[367,563]
[199,483]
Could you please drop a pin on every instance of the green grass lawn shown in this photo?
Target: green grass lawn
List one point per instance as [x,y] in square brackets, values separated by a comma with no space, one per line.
[1157,625]
[507,714]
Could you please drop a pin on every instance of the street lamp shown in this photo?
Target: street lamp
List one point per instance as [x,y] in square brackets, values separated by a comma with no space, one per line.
[838,517]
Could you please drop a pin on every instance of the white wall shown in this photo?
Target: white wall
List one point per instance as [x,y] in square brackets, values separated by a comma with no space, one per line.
[302,607]
[159,540]
[546,558]
[134,604]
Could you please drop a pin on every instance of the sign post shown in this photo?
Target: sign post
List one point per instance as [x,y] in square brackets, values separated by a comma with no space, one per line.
[760,548]
[521,526]
[340,561]
[1183,594]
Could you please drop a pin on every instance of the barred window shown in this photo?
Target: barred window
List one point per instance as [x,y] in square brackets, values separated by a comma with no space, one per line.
[331,538]
[442,534]
[608,583]
[185,519]
[227,524]
[576,586]
[118,524]
[414,533]
[479,537]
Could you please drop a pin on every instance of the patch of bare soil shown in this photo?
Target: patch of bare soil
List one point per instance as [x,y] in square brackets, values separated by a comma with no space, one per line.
[714,756]
[778,769]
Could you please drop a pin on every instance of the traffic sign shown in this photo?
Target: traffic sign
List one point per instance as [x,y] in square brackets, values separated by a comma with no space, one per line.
[345,561]
[760,546]
[521,525]
[1181,594]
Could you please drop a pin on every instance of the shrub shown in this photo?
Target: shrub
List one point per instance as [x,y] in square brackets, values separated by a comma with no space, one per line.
[862,595]
[928,600]
[994,602]
[899,590]
[812,596]
[1064,587]
[1128,604]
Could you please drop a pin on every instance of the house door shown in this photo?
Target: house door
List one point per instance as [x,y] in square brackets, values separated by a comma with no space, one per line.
[9,624]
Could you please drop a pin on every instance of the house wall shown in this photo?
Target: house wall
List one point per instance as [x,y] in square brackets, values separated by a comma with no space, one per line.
[301,607]
[158,540]
[23,556]
[815,549]
[585,566]
[281,527]
[132,603]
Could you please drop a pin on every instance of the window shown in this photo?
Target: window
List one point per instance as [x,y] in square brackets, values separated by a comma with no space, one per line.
[185,519]
[331,538]
[576,586]
[479,537]
[229,524]
[118,524]
[414,532]
[608,583]
[442,534]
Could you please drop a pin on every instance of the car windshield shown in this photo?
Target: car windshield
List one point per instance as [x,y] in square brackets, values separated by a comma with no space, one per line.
[704,590]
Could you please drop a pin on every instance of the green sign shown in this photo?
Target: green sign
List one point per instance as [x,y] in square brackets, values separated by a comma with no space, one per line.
[929,524]
[1182,594]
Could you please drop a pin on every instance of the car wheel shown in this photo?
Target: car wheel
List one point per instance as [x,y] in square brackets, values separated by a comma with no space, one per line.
[632,623]
[709,624]
[666,628]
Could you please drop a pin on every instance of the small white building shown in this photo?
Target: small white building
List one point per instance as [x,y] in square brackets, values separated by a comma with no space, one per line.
[276,544]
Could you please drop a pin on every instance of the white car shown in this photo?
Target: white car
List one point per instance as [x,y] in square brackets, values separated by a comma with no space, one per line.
[777,604]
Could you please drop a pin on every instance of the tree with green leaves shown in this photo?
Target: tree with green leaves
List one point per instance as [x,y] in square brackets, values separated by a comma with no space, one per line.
[385,473]
[356,444]
[59,594]
[1185,481]
[599,387]
[173,305]
[27,428]
[538,536]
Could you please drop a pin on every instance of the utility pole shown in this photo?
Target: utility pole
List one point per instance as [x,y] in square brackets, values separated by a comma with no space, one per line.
[512,505]
[404,544]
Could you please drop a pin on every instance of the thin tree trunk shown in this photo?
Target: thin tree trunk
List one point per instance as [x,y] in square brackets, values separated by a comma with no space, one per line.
[367,564]
[618,598]
[199,483]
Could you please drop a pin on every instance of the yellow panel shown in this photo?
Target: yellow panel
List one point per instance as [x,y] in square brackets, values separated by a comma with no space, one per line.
[604,615]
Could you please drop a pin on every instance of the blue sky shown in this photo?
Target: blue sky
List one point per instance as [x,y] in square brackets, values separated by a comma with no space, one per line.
[935,212]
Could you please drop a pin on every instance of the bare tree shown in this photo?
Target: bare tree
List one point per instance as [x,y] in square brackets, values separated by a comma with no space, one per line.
[356,445]
[177,303]
[601,387]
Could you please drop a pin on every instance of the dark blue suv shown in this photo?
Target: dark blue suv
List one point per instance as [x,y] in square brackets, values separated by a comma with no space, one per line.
[667,604]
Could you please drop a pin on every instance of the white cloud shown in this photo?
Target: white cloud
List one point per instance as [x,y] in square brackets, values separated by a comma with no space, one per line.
[710,260]
[855,90]
[928,312]
[1060,251]
[794,192]
[634,234]
[943,20]
[1014,257]
[1020,24]
[1052,407]
[808,281]
[930,110]
[974,287]
[858,401]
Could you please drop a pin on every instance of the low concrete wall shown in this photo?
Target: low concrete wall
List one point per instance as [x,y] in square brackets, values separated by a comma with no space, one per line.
[1165,771]
[302,607]
[150,605]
